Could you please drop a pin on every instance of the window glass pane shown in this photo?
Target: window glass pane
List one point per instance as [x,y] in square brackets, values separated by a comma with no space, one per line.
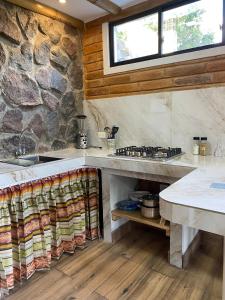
[192,25]
[136,38]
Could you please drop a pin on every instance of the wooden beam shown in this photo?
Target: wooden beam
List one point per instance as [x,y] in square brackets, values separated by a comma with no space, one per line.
[131,10]
[107,5]
[48,11]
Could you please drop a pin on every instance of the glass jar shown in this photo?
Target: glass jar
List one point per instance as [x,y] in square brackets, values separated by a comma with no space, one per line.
[195,145]
[203,148]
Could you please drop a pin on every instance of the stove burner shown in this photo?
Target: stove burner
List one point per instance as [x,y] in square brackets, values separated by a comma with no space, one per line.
[151,153]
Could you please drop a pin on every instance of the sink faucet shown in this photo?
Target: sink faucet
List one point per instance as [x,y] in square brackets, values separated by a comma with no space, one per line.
[22,150]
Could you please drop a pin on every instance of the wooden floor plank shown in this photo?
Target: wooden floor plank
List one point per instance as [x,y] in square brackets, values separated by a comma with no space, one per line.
[35,288]
[108,266]
[88,287]
[180,291]
[95,296]
[154,286]
[135,278]
[89,271]
[72,267]
[143,253]
[135,268]
[117,277]
[109,270]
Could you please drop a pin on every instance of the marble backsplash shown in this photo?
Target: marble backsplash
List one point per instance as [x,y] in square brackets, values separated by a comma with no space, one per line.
[165,119]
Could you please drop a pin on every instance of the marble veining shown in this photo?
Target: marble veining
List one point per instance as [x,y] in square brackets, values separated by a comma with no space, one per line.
[165,118]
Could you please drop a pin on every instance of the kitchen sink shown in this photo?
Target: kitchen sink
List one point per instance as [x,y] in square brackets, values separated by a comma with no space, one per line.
[27,161]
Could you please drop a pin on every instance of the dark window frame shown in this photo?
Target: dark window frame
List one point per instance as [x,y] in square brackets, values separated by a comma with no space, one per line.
[160,10]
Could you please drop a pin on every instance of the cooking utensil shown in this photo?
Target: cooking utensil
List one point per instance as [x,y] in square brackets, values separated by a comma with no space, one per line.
[108,131]
[150,206]
[114,132]
[128,205]
[150,200]
[149,212]
[137,195]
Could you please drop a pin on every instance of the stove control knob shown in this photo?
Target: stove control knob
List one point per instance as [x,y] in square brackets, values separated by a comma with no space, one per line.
[117,151]
[144,153]
[178,150]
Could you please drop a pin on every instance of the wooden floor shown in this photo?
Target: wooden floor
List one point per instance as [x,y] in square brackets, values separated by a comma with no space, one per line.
[136,267]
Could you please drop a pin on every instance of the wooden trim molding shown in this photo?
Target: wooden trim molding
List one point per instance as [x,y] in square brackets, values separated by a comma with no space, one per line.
[48,12]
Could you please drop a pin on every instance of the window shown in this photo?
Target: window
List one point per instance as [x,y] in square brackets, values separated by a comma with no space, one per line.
[179,27]
[136,38]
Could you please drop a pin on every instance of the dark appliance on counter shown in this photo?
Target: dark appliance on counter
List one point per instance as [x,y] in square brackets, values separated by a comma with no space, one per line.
[82,140]
[148,152]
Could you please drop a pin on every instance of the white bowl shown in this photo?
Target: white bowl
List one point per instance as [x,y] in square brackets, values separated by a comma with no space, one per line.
[137,195]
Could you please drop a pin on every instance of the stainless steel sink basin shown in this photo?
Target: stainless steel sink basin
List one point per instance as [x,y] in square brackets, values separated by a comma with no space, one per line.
[30,160]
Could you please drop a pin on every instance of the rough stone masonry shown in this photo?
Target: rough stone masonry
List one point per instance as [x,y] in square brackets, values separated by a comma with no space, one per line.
[41,80]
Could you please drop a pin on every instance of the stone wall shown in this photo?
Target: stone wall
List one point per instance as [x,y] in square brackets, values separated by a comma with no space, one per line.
[41,80]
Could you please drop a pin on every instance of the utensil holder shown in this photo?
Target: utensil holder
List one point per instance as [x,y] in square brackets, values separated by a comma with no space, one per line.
[111,144]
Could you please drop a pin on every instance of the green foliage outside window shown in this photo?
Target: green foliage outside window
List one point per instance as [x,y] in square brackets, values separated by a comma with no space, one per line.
[189,34]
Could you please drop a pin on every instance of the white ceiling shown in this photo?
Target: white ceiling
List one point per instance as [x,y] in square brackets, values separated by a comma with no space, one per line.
[83,9]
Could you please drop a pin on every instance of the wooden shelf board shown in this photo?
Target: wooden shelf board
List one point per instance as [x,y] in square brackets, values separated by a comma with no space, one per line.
[137,217]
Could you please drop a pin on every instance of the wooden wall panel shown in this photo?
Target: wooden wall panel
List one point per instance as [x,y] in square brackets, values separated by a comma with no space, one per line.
[180,76]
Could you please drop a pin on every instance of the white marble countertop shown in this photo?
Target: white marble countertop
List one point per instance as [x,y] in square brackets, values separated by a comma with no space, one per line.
[193,189]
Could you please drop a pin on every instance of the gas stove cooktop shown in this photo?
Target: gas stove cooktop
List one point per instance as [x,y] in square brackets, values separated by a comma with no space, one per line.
[148,153]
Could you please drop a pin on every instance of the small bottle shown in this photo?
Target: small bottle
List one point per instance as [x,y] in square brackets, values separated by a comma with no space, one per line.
[195,146]
[203,148]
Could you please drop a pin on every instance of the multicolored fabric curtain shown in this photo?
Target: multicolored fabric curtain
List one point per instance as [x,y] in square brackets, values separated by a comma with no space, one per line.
[41,220]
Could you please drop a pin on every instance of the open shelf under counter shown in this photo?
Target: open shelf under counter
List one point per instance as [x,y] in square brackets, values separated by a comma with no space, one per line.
[137,217]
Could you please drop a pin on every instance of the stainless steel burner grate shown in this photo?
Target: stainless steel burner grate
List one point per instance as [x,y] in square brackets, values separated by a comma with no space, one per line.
[148,152]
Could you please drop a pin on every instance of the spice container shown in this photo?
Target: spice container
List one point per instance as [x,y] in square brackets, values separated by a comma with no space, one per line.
[203,148]
[195,146]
